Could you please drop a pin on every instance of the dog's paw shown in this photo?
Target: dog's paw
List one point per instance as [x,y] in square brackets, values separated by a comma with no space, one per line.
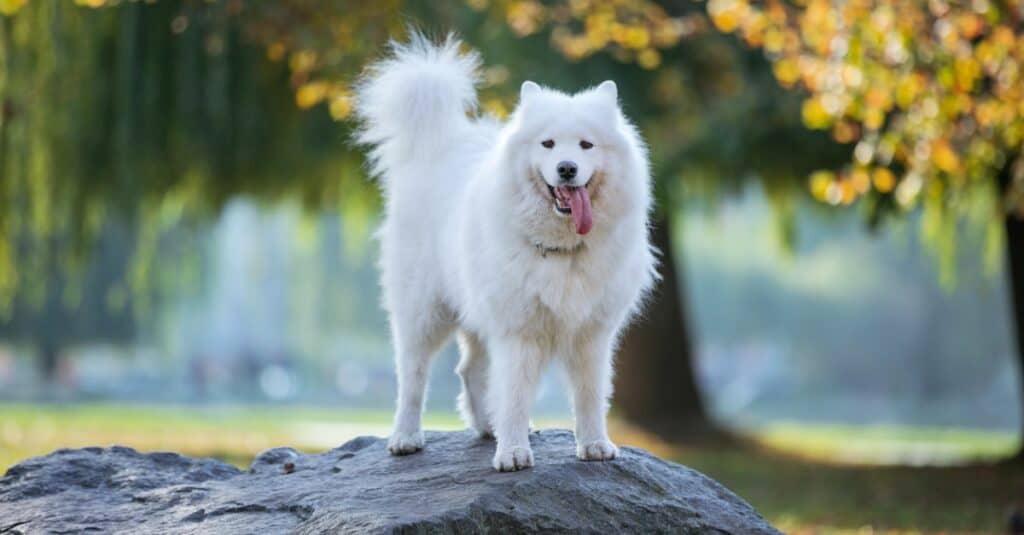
[405,443]
[513,459]
[598,450]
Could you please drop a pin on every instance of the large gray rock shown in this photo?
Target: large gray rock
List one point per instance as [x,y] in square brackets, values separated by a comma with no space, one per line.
[449,487]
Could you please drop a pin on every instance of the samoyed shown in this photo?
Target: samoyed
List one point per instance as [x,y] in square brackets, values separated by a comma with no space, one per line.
[528,239]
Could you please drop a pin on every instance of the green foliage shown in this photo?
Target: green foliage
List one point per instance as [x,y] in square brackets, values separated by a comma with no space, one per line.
[146,118]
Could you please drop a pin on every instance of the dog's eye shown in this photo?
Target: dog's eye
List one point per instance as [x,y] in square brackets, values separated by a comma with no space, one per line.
[548,143]
[586,145]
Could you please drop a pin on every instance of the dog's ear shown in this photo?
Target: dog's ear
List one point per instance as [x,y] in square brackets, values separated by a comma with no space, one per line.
[608,90]
[528,90]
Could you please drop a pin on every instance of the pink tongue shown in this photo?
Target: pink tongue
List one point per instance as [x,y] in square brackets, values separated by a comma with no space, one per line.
[579,202]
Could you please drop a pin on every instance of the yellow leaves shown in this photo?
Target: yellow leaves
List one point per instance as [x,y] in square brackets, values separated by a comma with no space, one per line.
[338,98]
[727,14]
[634,37]
[842,192]
[966,71]
[936,88]
[827,187]
[774,40]
[944,157]
[310,94]
[815,115]
[631,30]
[787,71]
[10,7]
[873,118]
[853,76]
[955,104]
[1004,36]
[883,179]
[860,180]
[754,27]
[572,47]
[970,25]
[89,3]
[649,59]
[819,184]
[846,187]
[876,103]
[818,28]
[878,98]
[524,16]
[598,28]
[666,32]
[845,131]
[908,89]
[340,107]
[302,61]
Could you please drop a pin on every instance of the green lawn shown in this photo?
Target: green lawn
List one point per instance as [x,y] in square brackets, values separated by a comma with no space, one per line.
[804,478]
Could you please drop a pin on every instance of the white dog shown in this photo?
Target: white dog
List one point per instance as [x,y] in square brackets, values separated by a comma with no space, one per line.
[528,239]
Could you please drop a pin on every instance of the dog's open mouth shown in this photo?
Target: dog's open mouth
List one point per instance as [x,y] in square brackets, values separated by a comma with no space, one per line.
[574,201]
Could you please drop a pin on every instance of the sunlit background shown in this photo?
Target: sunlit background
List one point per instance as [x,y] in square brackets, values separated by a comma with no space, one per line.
[187,259]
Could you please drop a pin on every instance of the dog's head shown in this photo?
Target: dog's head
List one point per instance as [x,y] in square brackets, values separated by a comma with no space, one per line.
[581,164]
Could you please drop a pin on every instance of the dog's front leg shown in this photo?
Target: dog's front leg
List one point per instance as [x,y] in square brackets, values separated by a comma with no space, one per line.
[590,372]
[514,373]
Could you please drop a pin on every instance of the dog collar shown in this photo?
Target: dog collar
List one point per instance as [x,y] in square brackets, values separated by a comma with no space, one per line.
[545,250]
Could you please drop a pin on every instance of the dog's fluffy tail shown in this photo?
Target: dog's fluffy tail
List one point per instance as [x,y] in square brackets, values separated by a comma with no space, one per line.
[413,102]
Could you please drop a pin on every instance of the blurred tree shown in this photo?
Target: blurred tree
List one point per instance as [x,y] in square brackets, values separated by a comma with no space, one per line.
[83,304]
[148,116]
[933,95]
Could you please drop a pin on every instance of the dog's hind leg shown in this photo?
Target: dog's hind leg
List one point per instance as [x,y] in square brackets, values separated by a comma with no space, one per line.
[416,341]
[472,371]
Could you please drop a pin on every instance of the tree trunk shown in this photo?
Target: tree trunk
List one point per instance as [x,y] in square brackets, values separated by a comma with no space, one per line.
[1015,275]
[1014,226]
[655,383]
[49,360]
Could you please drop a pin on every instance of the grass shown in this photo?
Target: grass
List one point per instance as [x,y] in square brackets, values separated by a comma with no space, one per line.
[233,434]
[888,444]
[808,479]
[803,478]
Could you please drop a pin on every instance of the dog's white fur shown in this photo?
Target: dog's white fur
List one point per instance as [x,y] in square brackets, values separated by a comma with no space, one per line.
[471,244]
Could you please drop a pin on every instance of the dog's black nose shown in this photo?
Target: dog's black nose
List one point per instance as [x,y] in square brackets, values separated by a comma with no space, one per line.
[567,170]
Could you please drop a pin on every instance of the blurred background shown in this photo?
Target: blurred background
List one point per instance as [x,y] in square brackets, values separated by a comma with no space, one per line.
[187,258]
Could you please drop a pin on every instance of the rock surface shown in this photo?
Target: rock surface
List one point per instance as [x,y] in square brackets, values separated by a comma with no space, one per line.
[449,487]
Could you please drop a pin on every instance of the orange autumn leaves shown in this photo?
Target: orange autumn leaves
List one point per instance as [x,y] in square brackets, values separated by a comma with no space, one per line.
[931,92]
[324,45]
[632,30]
